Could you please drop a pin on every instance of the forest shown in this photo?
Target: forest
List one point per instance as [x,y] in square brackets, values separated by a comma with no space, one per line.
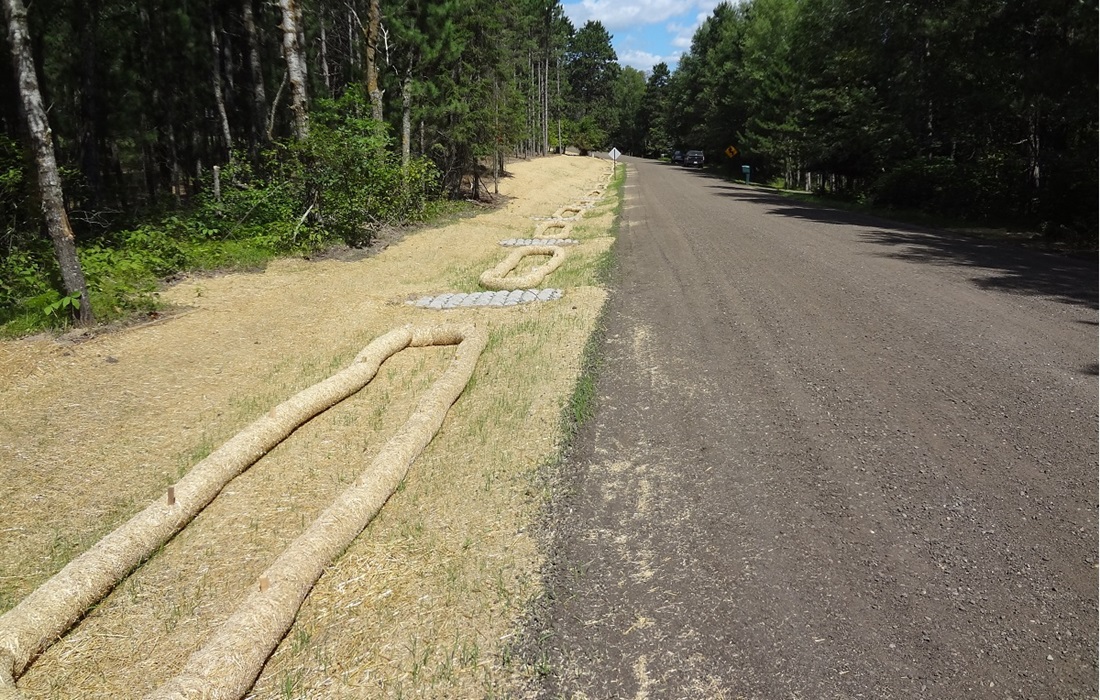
[979,110]
[211,135]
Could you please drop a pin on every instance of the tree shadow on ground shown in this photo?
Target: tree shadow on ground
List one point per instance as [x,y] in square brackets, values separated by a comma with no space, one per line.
[998,265]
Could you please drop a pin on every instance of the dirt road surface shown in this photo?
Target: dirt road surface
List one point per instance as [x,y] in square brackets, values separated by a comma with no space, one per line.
[833,457]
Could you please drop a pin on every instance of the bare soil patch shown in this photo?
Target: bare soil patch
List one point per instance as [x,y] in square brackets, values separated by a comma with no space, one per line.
[424,602]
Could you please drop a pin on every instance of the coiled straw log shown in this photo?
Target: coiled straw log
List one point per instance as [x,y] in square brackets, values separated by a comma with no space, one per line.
[496,278]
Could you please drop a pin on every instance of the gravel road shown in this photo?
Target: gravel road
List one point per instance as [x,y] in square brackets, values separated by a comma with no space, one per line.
[833,457]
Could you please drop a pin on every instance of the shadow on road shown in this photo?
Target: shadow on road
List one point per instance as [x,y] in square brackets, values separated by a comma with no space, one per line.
[1010,269]
[998,265]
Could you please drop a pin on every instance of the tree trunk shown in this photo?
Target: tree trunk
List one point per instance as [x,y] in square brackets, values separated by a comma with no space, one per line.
[91,132]
[546,106]
[374,20]
[406,117]
[219,95]
[1034,169]
[176,171]
[49,181]
[531,138]
[557,104]
[295,66]
[353,46]
[256,75]
[324,55]
[538,108]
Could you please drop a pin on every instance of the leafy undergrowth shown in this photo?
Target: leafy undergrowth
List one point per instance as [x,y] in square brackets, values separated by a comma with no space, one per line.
[339,187]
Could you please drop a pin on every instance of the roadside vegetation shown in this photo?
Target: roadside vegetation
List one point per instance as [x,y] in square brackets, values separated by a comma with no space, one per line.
[1019,234]
[983,112]
[337,186]
[144,139]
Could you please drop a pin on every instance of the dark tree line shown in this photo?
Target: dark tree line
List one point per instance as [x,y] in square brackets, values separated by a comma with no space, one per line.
[146,99]
[145,96]
[984,109]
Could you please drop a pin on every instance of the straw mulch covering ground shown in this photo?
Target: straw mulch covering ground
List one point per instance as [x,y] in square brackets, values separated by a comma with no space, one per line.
[425,600]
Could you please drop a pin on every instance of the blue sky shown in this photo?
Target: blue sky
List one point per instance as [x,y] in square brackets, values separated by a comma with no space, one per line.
[644,32]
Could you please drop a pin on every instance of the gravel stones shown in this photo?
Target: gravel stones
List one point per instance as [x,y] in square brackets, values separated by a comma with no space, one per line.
[512,242]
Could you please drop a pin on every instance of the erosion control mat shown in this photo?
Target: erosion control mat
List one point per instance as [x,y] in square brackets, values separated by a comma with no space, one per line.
[422,602]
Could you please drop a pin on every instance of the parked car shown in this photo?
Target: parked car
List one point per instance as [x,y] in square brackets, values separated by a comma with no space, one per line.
[677,157]
[694,158]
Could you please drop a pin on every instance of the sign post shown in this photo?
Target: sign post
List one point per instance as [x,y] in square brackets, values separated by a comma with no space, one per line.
[614,153]
[731,151]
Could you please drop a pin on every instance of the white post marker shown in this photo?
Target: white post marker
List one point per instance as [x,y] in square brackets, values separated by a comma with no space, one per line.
[614,153]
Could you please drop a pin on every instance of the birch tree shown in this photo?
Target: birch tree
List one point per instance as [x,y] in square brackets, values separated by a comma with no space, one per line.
[295,66]
[49,180]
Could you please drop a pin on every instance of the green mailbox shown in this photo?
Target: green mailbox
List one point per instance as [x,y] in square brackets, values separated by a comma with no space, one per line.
[747,170]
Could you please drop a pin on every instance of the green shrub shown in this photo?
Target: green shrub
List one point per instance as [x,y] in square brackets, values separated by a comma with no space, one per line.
[23,274]
[340,185]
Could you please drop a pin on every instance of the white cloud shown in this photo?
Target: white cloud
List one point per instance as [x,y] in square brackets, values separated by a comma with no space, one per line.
[681,35]
[645,32]
[623,14]
[644,61]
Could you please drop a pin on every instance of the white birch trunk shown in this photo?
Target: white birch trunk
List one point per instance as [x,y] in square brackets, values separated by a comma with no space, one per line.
[324,55]
[49,180]
[295,66]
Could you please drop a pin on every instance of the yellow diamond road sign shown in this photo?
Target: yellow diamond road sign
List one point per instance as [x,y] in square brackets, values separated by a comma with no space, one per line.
[731,152]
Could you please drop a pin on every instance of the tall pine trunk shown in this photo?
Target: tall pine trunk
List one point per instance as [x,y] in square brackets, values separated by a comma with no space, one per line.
[374,21]
[219,94]
[295,66]
[91,158]
[324,55]
[557,104]
[49,181]
[546,106]
[406,119]
[256,77]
